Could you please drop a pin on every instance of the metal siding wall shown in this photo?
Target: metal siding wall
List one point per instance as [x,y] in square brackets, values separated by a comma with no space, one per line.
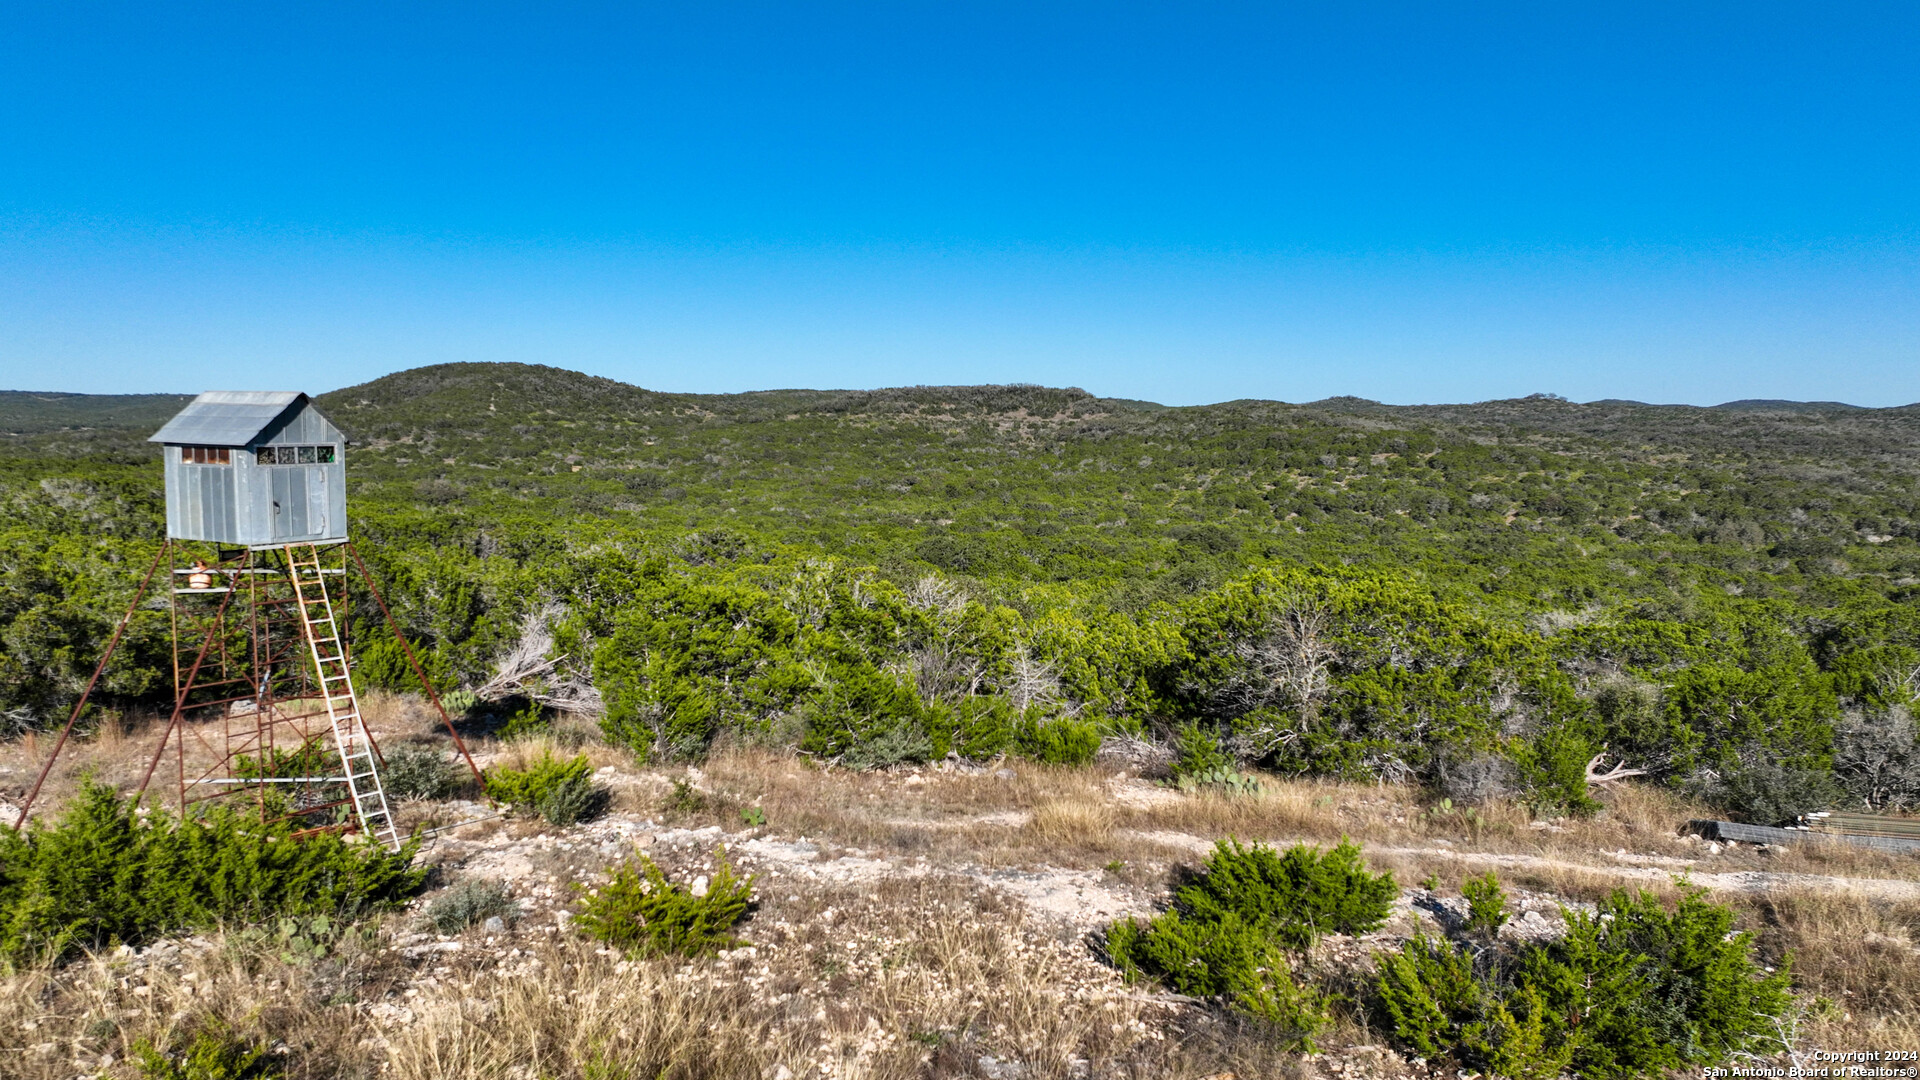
[312,498]
[229,525]
[246,498]
[170,464]
[337,493]
[209,501]
[317,517]
[297,488]
[193,517]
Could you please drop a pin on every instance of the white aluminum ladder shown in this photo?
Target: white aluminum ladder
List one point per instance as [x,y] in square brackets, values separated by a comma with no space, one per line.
[350,734]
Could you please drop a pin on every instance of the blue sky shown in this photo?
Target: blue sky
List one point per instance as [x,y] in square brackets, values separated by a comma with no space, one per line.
[1187,203]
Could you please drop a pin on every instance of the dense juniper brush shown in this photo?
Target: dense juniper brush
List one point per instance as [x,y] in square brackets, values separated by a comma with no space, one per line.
[1480,598]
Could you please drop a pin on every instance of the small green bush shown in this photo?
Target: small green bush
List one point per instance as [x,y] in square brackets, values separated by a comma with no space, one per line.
[530,720]
[573,801]
[1430,995]
[1553,765]
[1295,896]
[1486,904]
[644,914]
[562,792]
[976,728]
[103,874]
[1631,990]
[469,903]
[684,798]
[866,718]
[421,772]
[1196,750]
[214,1054]
[1060,741]
[1224,958]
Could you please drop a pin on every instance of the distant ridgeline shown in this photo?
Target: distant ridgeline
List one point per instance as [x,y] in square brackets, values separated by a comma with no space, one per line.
[1473,596]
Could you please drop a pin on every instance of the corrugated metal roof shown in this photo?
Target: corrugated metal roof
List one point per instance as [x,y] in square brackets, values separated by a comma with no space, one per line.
[226,417]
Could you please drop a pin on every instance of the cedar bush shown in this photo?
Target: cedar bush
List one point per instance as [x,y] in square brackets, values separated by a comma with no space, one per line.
[1295,896]
[1231,927]
[1060,741]
[1197,751]
[421,772]
[104,875]
[1227,959]
[214,1054]
[644,914]
[562,792]
[1486,904]
[1631,990]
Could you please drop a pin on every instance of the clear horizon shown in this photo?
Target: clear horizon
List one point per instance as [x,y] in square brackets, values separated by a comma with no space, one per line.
[1395,202]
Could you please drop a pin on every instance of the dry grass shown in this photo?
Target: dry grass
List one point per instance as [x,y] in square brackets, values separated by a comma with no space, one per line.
[910,976]
[523,752]
[910,979]
[87,1017]
[1077,819]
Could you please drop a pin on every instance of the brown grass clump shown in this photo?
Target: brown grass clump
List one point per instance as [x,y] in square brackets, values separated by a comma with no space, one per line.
[571,1011]
[1281,809]
[1078,820]
[87,1017]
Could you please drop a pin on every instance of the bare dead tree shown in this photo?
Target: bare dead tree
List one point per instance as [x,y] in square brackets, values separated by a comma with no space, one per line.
[947,664]
[525,668]
[936,595]
[1620,771]
[1032,681]
[1288,664]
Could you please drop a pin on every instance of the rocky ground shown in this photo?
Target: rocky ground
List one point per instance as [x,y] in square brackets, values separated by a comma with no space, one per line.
[937,922]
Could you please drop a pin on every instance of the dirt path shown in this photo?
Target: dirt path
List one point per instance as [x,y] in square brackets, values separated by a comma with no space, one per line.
[1749,881]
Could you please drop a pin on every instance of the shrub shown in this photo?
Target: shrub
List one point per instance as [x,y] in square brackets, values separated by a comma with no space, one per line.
[1486,904]
[1631,990]
[1553,765]
[1764,793]
[684,798]
[103,874]
[563,792]
[1196,750]
[1060,741]
[644,914]
[469,903]
[420,772]
[1430,996]
[866,718]
[977,727]
[1224,958]
[1295,896]
[214,1054]
[572,801]
[528,720]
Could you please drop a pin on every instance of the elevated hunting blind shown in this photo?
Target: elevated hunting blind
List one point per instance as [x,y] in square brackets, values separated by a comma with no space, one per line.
[254,469]
[263,697]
